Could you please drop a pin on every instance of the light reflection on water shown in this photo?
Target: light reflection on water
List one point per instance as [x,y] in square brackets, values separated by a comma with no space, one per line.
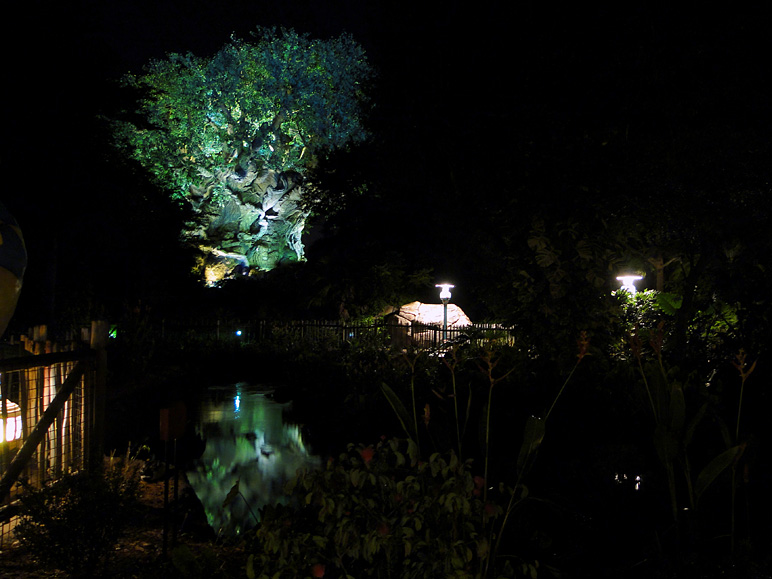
[248,441]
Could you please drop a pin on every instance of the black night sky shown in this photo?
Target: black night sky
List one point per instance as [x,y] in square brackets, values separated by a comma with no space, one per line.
[474,104]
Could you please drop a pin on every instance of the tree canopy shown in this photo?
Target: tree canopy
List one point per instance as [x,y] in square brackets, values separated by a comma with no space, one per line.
[232,136]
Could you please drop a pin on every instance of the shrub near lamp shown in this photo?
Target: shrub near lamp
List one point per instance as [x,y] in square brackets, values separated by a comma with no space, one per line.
[445,297]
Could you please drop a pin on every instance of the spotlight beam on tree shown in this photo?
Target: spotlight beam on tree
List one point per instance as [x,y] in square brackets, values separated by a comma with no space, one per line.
[233,136]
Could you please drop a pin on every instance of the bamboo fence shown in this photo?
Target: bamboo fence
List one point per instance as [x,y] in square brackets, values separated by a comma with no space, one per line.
[52,411]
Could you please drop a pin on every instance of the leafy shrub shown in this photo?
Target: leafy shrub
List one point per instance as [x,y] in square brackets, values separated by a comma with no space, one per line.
[73,523]
[378,512]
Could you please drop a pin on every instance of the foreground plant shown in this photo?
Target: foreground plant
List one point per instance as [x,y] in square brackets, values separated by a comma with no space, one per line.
[382,511]
[379,511]
[741,365]
[488,361]
[73,523]
[533,435]
[675,425]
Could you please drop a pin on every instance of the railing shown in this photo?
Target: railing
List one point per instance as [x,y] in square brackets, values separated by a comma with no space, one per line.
[385,333]
[52,408]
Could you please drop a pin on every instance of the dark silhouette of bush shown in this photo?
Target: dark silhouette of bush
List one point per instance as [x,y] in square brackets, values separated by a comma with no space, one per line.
[73,523]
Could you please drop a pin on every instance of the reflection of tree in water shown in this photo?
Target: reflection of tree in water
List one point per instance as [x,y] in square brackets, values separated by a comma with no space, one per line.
[246,441]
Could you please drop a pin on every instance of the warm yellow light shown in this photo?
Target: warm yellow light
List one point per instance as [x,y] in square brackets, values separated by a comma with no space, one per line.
[628,282]
[444,290]
[12,430]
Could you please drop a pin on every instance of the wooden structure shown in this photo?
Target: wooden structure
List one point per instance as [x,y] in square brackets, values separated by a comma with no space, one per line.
[52,409]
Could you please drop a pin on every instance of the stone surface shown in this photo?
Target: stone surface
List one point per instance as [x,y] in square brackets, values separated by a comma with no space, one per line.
[422,323]
[430,314]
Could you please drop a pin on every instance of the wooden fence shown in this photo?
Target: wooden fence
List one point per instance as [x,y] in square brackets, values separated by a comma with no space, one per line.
[52,409]
[379,332]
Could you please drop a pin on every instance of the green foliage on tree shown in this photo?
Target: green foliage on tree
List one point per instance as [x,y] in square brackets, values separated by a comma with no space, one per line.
[232,135]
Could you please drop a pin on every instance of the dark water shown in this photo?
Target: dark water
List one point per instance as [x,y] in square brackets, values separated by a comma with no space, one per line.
[247,441]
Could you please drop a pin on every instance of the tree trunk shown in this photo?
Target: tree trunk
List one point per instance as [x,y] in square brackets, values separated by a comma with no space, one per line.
[686,312]
[659,266]
[247,223]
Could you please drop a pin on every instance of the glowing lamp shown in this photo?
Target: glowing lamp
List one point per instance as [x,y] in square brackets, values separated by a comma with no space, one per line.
[444,290]
[11,430]
[628,282]
[445,297]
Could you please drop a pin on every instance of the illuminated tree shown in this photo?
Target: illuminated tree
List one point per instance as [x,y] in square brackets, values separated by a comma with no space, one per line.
[234,135]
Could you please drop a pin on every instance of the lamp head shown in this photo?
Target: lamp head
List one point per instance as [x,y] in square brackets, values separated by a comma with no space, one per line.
[628,282]
[444,290]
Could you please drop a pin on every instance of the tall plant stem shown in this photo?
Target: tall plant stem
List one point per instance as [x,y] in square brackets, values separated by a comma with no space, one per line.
[455,409]
[523,471]
[490,364]
[510,507]
[452,367]
[563,387]
[487,439]
[412,363]
[415,412]
[648,392]
[739,411]
[492,553]
[732,519]
[744,371]
[734,466]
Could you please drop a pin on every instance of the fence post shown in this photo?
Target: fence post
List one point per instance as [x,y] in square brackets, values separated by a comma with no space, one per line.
[99,332]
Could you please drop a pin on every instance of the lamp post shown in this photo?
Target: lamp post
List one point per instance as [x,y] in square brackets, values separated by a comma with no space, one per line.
[628,282]
[445,297]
